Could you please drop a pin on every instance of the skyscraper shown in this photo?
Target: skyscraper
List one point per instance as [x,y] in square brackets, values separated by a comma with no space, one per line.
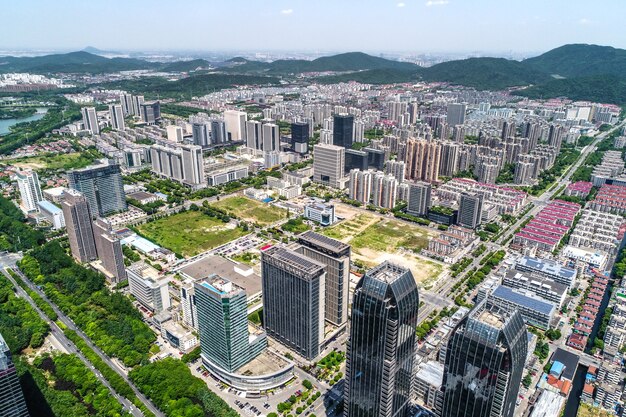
[235,125]
[126,101]
[254,135]
[90,120]
[381,347]
[328,165]
[151,112]
[77,216]
[137,101]
[148,286]
[30,190]
[102,185]
[484,363]
[201,134]
[343,130]
[360,187]
[456,114]
[470,210]
[117,117]
[419,198]
[109,250]
[271,137]
[222,310]
[293,300]
[335,255]
[12,402]
[218,132]
[300,137]
[175,133]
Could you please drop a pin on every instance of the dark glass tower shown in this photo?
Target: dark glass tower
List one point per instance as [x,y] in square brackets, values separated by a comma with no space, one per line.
[484,363]
[102,185]
[381,347]
[12,402]
[300,137]
[343,126]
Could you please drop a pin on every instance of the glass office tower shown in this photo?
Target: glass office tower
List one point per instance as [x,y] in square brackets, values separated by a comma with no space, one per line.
[484,363]
[381,347]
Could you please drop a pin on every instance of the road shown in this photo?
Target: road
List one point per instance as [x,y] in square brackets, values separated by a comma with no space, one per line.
[70,325]
[57,333]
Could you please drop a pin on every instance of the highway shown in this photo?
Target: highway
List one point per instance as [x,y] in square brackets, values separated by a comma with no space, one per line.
[57,333]
[70,325]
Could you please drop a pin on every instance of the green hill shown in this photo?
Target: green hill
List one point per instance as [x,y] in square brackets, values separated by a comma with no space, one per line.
[186,66]
[73,62]
[598,88]
[484,73]
[351,61]
[580,60]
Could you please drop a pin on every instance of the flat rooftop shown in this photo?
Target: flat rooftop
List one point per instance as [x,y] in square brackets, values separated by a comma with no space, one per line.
[240,275]
[265,363]
[220,285]
[431,372]
[492,319]
[325,242]
[547,267]
[569,361]
[522,300]
[294,260]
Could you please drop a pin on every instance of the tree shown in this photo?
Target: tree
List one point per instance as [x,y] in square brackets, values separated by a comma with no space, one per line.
[527,380]
[307,384]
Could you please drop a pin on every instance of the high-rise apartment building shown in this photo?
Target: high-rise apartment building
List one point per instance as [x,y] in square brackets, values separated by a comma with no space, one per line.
[102,185]
[235,125]
[126,101]
[90,120]
[222,310]
[12,402]
[30,190]
[381,346]
[77,216]
[178,162]
[484,362]
[422,159]
[343,130]
[109,250]
[300,137]
[328,165]
[293,300]
[151,112]
[117,117]
[470,210]
[384,190]
[360,186]
[456,113]
[419,198]
[335,255]
[397,169]
[137,106]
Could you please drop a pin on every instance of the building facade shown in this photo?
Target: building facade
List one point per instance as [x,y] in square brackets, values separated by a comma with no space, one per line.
[293,300]
[77,216]
[12,402]
[102,186]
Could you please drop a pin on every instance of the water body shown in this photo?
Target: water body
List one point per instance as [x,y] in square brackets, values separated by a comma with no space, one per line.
[5,124]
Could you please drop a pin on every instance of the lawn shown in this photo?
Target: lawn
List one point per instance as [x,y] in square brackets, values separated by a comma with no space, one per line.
[63,161]
[250,210]
[190,233]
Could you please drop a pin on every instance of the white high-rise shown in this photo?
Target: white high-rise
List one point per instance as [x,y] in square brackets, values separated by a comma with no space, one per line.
[271,137]
[117,117]
[235,124]
[90,120]
[30,191]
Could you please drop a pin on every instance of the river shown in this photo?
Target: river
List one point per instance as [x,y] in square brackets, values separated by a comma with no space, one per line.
[5,124]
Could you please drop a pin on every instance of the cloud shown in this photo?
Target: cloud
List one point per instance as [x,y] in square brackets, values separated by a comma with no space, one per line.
[584,21]
[401,4]
[286,11]
[430,3]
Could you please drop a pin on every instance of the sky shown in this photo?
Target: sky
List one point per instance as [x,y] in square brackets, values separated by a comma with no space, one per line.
[438,26]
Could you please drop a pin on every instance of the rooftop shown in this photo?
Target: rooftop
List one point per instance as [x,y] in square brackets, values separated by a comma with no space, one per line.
[240,275]
[547,267]
[515,297]
[49,207]
[387,272]
[325,242]
[294,259]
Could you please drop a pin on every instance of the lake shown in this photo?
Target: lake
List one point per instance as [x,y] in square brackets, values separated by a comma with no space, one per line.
[5,124]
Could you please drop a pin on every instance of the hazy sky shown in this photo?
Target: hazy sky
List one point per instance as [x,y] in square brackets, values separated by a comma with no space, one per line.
[309,25]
